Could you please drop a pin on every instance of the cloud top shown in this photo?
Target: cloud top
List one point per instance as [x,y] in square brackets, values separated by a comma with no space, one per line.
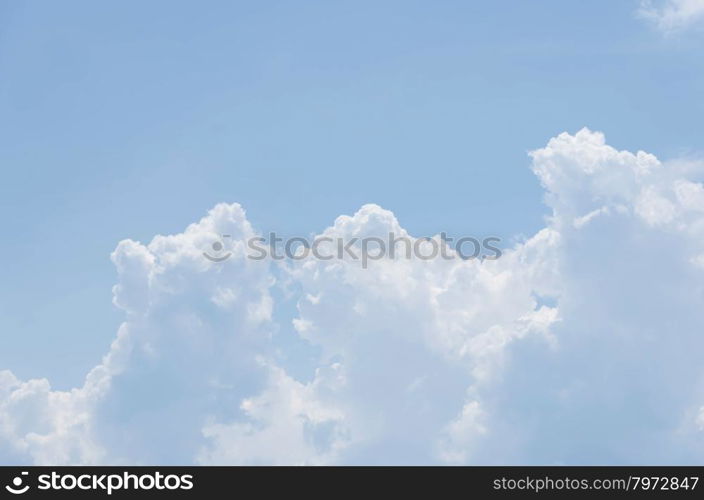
[579,345]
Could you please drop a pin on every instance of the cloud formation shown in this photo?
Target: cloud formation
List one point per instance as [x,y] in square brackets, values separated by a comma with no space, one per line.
[672,15]
[580,344]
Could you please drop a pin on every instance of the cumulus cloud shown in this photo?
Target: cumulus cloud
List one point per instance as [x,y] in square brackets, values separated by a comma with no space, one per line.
[418,339]
[623,381]
[581,344]
[672,15]
[183,356]
[288,423]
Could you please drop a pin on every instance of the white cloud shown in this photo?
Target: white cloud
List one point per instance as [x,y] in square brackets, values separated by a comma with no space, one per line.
[462,432]
[672,15]
[579,345]
[287,424]
[186,354]
[417,339]
[623,374]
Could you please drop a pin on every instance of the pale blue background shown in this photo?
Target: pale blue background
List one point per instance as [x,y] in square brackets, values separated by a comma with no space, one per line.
[128,119]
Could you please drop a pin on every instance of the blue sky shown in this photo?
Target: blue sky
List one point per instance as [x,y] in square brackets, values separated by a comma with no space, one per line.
[131,119]
[125,120]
